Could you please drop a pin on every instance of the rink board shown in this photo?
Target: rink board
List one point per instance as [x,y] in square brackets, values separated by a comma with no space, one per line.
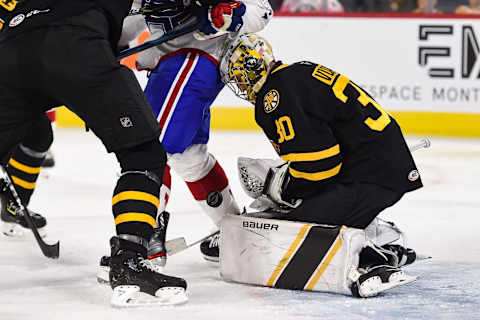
[423,69]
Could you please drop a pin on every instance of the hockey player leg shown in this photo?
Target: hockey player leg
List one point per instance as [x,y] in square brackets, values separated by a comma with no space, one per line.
[156,247]
[24,168]
[209,186]
[135,280]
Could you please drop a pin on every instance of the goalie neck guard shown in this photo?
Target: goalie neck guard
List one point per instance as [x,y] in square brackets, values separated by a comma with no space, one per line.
[244,65]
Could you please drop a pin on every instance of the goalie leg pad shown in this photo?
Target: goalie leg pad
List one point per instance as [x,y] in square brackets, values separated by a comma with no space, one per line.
[289,255]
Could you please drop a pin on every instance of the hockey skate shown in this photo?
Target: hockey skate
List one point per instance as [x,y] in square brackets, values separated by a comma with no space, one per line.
[13,219]
[377,272]
[210,249]
[157,253]
[404,256]
[136,282]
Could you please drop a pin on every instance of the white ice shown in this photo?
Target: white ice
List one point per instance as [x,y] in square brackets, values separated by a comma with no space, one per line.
[442,220]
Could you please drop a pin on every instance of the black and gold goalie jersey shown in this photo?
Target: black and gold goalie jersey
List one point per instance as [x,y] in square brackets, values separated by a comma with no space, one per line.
[331,130]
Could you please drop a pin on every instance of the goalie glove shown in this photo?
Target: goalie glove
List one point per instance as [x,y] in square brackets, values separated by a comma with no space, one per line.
[219,19]
[276,182]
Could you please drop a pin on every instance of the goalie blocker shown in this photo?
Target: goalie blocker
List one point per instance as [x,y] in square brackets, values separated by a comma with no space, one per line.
[295,255]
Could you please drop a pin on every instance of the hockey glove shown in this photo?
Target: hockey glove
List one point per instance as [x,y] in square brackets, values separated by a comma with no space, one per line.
[220,19]
[276,182]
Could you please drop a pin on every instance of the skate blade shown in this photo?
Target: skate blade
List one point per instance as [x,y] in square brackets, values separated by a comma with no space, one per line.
[15,230]
[211,259]
[103,275]
[422,257]
[131,297]
[374,285]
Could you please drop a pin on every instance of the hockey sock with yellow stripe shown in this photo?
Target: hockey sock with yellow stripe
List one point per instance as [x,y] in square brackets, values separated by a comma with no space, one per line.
[135,203]
[24,167]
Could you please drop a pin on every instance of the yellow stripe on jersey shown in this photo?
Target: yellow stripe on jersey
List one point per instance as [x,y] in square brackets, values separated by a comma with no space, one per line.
[286,258]
[323,266]
[135,195]
[316,176]
[135,217]
[22,183]
[280,67]
[312,156]
[20,166]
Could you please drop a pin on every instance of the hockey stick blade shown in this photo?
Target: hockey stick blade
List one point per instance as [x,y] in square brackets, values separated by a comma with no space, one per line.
[179,244]
[152,43]
[49,250]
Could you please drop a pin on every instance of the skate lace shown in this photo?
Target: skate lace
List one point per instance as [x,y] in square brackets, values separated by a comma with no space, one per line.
[214,241]
[151,266]
[13,208]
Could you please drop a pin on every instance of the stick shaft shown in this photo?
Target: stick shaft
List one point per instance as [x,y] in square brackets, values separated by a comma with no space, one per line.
[424,143]
[152,43]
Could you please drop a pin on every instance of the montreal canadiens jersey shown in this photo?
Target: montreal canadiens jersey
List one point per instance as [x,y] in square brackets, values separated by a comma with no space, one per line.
[331,130]
[257,15]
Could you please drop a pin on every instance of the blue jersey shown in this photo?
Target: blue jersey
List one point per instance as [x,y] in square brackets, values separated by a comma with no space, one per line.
[180,91]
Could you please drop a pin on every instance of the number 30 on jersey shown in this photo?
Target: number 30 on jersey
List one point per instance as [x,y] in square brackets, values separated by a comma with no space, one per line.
[284,129]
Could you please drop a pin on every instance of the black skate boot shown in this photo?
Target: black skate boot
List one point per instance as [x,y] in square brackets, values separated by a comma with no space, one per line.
[376,274]
[209,248]
[13,220]
[135,281]
[405,256]
[156,253]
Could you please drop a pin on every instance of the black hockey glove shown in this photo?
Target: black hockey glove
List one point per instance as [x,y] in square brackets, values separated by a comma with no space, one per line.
[276,182]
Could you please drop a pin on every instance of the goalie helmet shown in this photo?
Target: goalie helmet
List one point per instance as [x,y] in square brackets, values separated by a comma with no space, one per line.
[244,65]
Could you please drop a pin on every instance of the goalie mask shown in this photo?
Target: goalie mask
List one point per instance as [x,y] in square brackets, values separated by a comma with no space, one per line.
[245,64]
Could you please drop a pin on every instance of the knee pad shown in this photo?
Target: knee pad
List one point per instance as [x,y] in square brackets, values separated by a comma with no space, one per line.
[193,164]
[40,135]
[148,156]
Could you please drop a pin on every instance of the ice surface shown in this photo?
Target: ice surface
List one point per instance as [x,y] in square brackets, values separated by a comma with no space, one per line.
[442,220]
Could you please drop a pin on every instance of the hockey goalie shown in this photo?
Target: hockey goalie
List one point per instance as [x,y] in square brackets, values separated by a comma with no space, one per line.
[343,160]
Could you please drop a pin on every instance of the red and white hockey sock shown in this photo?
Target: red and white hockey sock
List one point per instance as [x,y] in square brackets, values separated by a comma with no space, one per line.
[206,180]
[213,194]
[165,189]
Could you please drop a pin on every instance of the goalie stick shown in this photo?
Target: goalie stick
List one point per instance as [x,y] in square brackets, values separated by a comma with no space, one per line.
[49,250]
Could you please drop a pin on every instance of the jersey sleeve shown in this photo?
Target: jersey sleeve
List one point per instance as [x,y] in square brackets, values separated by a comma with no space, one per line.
[258,13]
